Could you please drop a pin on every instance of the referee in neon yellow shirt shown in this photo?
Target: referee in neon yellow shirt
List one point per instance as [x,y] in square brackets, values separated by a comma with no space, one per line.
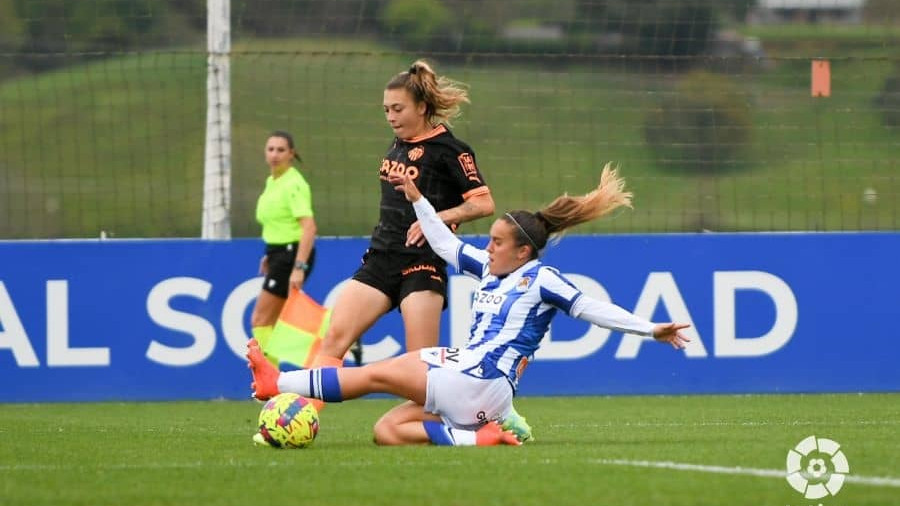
[285,212]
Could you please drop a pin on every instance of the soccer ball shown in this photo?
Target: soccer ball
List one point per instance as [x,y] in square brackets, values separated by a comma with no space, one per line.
[288,421]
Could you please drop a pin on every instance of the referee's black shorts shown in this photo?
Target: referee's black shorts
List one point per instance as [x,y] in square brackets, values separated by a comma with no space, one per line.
[398,275]
[281,259]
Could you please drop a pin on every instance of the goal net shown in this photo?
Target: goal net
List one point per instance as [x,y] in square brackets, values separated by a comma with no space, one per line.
[729,115]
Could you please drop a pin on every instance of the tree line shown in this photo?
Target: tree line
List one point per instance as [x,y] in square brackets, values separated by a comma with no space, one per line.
[32,29]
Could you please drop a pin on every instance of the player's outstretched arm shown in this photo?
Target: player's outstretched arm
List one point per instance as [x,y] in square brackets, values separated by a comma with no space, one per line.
[608,315]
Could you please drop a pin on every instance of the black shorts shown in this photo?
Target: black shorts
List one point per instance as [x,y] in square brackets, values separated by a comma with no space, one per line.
[281,259]
[398,275]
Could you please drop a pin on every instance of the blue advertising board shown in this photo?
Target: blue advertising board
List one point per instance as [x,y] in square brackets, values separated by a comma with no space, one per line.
[169,319]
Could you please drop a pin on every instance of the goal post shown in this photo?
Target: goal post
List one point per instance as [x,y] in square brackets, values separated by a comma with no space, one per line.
[217,151]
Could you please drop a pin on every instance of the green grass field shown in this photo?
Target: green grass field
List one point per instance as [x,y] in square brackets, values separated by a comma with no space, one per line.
[686,450]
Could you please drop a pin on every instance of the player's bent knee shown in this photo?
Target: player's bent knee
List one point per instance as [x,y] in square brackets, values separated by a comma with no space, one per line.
[384,433]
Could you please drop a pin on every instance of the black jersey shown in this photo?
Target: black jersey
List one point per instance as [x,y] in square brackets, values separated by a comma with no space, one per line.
[444,170]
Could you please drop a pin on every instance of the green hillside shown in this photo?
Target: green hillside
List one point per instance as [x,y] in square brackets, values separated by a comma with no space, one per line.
[117,145]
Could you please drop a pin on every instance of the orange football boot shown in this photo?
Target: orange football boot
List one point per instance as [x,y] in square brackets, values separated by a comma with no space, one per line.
[265,375]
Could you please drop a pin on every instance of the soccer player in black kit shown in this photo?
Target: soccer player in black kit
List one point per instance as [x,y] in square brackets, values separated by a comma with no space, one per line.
[399,268]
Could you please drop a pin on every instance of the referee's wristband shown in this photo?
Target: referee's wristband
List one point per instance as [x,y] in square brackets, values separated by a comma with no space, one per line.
[301,266]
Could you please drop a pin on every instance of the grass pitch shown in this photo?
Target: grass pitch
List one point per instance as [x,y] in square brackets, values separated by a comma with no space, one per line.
[589,450]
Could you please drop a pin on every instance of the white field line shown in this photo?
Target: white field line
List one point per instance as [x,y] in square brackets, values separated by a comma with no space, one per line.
[878,481]
[730,423]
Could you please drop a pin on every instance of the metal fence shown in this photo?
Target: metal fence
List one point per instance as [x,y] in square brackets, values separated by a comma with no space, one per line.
[723,116]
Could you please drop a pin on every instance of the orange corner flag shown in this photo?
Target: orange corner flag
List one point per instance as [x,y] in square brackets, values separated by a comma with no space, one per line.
[299,331]
[821,78]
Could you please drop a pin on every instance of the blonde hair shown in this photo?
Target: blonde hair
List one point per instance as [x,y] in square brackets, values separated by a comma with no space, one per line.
[442,96]
[535,229]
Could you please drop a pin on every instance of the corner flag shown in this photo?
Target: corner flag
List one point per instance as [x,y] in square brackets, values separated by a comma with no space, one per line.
[299,331]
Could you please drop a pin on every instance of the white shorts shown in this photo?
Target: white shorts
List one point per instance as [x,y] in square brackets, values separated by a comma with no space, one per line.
[462,401]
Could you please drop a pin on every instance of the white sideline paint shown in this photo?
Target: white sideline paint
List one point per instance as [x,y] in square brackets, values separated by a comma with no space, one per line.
[724,423]
[878,481]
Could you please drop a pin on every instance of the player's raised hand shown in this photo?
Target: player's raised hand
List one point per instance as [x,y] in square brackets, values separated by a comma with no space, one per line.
[670,333]
[404,183]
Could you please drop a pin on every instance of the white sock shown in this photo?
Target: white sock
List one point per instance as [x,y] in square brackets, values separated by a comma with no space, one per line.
[296,382]
[463,437]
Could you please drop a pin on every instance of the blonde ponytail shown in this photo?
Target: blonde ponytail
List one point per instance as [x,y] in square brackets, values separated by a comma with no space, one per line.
[535,229]
[566,212]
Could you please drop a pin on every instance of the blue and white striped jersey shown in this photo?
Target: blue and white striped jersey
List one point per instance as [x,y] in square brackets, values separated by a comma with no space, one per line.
[511,315]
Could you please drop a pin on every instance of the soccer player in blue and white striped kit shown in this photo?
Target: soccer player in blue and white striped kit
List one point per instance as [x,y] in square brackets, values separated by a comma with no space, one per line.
[456,396]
